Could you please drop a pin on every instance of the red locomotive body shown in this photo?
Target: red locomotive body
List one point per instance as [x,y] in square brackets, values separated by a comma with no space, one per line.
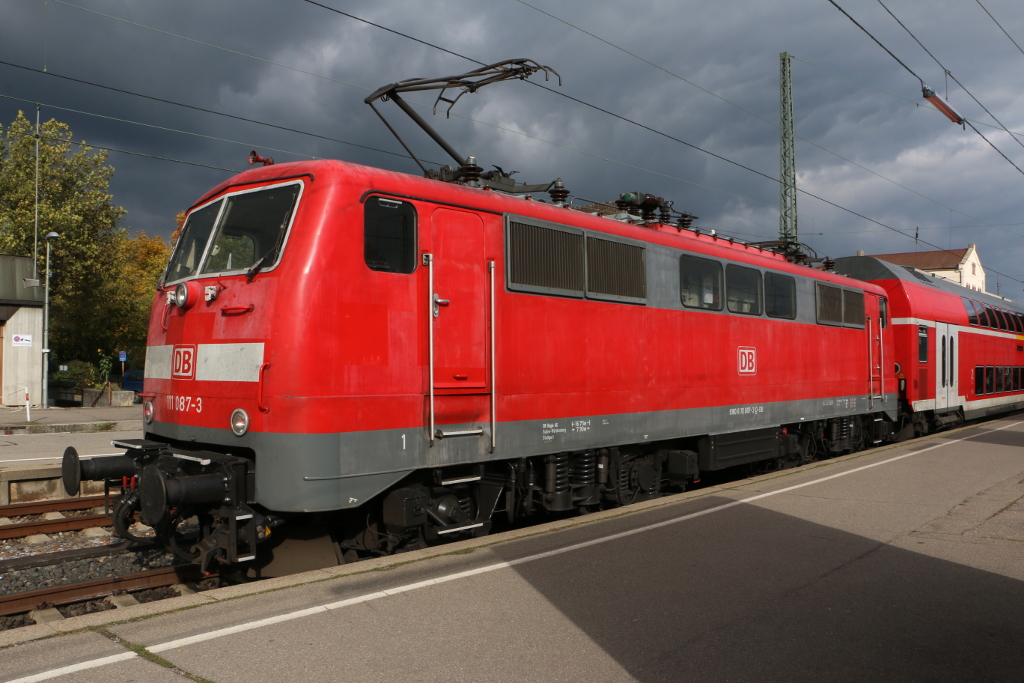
[421,356]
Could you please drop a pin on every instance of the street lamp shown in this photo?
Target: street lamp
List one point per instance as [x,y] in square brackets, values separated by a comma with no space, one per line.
[50,236]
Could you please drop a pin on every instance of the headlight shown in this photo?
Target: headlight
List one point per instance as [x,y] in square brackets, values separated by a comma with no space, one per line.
[147,411]
[239,422]
[181,295]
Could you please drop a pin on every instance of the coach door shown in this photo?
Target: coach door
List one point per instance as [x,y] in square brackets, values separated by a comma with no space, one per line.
[459,300]
[947,388]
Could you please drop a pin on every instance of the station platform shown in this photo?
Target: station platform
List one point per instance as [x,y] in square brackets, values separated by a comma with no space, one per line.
[903,563]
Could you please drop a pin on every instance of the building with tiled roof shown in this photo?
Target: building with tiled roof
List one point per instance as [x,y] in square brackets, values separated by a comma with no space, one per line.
[962,266]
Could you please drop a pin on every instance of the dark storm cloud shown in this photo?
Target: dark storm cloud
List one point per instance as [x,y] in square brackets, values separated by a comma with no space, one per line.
[729,47]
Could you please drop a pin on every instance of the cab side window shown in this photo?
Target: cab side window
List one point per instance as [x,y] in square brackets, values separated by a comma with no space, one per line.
[389,231]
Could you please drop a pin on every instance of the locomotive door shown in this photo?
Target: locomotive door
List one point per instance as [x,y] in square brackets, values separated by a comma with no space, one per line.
[459,300]
[947,387]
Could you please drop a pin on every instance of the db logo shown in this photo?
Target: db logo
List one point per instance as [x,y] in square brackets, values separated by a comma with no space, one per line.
[748,360]
[183,362]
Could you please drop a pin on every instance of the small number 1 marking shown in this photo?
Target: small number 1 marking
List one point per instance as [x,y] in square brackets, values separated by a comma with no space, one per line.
[403,442]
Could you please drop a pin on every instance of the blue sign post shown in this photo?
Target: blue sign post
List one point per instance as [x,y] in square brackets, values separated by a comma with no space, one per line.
[122,356]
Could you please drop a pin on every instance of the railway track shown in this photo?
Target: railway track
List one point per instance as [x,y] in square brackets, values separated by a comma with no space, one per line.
[18,603]
[51,526]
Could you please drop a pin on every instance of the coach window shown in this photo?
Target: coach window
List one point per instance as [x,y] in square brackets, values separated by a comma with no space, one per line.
[972,315]
[979,380]
[389,232]
[990,315]
[990,380]
[1014,321]
[700,283]
[922,343]
[942,358]
[743,290]
[999,379]
[1002,319]
[1007,379]
[1016,379]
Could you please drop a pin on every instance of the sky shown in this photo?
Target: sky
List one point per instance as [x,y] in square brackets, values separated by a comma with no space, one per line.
[704,73]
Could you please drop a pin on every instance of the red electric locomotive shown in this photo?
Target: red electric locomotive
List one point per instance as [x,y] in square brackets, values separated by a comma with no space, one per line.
[415,356]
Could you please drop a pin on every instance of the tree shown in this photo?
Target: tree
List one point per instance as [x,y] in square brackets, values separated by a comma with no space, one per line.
[102,281]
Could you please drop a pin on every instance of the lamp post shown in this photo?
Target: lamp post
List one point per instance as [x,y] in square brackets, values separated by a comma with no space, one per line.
[50,236]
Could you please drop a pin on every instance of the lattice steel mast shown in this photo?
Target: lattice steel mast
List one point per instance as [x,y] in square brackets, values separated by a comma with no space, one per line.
[788,233]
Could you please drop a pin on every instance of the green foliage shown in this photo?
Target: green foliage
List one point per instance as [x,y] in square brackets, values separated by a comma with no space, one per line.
[102,280]
[105,366]
[79,370]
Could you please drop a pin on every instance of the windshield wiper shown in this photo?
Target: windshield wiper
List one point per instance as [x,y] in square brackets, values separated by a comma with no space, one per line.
[276,249]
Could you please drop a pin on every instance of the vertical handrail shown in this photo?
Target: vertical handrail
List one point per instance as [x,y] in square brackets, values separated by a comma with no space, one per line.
[259,389]
[494,392]
[871,368]
[881,362]
[428,261]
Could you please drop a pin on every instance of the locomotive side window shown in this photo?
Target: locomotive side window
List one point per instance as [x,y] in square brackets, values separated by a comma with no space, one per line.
[779,296]
[830,304]
[389,235]
[972,315]
[192,242]
[883,312]
[252,229]
[616,270]
[990,380]
[922,343]
[743,289]
[979,380]
[700,283]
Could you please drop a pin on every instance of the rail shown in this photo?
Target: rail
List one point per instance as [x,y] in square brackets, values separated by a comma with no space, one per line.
[17,603]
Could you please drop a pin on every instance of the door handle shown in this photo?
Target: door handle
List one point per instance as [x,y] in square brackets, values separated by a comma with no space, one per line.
[438,302]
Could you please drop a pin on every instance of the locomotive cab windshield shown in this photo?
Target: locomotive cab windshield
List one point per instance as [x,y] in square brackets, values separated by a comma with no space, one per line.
[244,232]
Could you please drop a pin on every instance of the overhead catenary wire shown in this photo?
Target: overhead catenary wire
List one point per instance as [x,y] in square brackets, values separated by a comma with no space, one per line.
[670,137]
[156,127]
[969,94]
[1000,27]
[201,109]
[124,151]
[620,117]
[316,75]
[713,94]
[921,80]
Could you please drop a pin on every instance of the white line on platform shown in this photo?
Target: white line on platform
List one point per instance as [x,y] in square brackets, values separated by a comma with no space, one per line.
[298,614]
[74,668]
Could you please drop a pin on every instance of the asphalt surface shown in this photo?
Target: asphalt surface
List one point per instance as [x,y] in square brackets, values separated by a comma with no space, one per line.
[900,564]
[46,449]
[16,416]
